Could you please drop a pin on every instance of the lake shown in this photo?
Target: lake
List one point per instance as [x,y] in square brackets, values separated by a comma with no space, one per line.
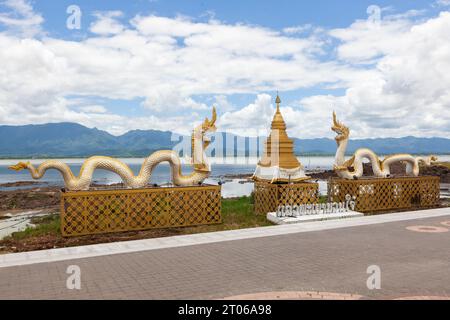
[220,167]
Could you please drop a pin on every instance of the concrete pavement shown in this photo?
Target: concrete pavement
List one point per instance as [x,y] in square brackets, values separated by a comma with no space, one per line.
[329,257]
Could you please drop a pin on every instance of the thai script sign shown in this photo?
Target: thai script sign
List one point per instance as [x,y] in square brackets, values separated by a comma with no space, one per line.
[317,208]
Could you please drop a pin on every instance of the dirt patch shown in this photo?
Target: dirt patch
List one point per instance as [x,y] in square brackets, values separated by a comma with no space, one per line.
[399,169]
[324,175]
[21,184]
[438,171]
[38,198]
[238,176]
[52,241]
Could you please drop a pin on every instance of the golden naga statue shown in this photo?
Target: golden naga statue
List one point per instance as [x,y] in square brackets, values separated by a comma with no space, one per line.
[202,168]
[353,167]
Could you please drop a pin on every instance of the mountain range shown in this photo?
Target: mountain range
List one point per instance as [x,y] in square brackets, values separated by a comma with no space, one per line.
[74,140]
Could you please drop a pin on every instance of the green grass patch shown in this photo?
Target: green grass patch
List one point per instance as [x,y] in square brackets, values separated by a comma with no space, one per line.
[238,213]
[47,225]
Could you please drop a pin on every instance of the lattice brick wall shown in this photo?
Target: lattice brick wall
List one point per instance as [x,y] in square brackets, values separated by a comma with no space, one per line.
[103,211]
[268,196]
[374,194]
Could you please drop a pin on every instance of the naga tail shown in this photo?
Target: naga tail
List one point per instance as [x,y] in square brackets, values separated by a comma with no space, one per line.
[20,166]
[428,161]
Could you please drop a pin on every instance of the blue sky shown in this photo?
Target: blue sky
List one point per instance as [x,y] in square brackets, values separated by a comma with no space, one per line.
[273,14]
[320,55]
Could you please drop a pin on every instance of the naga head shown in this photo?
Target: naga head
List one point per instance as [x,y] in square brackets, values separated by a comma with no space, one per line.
[342,131]
[20,166]
[208,127]
[200,141]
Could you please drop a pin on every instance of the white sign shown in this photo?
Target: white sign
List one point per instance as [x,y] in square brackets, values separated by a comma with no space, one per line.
[317,208]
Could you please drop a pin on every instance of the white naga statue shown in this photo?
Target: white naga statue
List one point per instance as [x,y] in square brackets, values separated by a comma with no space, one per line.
[353,167]
[202,168]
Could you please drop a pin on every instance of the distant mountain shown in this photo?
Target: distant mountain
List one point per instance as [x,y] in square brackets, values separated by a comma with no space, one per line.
[74,140]
[411,145]
[143,142]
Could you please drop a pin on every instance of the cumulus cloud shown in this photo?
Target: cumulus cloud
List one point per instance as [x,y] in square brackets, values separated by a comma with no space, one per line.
[442,3]
[308,118]
[407,92]
[107,23]
[298,29]
[165,62]
[252,120]
[93,109]
[21,18]
[394,75]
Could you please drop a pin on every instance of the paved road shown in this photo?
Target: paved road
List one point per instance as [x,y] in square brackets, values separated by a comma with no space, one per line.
[412,264]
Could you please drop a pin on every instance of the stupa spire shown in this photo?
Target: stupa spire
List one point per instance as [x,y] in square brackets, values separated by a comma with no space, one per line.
[278,121]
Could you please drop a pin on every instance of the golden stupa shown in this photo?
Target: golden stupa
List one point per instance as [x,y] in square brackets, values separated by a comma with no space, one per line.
[279,163]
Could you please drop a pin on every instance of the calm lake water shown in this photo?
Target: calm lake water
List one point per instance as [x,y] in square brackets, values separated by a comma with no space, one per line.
[220,168]
[161,175]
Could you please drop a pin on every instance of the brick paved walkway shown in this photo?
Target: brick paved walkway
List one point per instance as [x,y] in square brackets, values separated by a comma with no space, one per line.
[332,261]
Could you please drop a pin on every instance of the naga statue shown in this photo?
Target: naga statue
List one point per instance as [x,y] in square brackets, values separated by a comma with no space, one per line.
[353,167]
[202,168]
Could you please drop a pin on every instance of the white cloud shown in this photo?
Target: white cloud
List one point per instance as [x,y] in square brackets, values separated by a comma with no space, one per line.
[221,101]
[165,99]
[251,120]
[407,92]
[395,76]
[165,62]
[21,19]
[93,109]
[404,93]
[107,23]
[309,118]
[298,29]
[442,3]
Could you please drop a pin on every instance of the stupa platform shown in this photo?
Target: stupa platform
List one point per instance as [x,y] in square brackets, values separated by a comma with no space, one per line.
[269,196]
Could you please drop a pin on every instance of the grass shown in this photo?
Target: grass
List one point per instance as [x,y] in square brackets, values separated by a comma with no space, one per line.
[323,199]
[236,214]
[43,226]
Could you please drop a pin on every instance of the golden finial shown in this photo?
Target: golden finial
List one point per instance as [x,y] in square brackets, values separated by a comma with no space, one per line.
[278,101]
[278,121]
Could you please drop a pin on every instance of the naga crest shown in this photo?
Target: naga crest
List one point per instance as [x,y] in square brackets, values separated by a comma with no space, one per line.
[342,131]
[200,140]
[209,125]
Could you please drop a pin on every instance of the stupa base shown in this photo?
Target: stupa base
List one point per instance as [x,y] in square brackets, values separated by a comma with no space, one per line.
[268,196]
